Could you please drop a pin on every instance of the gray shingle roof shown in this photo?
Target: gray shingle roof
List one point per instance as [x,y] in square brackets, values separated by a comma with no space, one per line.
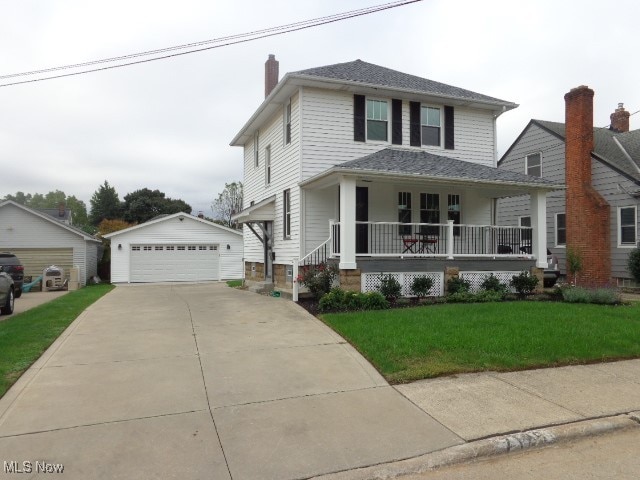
[418,162]
[370,74]
[607,149]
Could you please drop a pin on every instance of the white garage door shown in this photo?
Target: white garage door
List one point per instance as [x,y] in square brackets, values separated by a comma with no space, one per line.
[174,263]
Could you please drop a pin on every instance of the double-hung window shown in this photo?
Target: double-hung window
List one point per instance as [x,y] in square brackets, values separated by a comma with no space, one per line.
[286,213]
[561,229]
[256,149]
[627,226]
[454,211]
[267,165]
[287,123]
[525,235]
[404,212]
[430,212]
[533,165]
[377,120]
[430,126]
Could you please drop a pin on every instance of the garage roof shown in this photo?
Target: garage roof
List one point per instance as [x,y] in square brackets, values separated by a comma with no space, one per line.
[170,217]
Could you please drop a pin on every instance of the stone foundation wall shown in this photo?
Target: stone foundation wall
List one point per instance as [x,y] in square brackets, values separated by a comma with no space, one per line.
[351,280]
[280,276]
[258,274]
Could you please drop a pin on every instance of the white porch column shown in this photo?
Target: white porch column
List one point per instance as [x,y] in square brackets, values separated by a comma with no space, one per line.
[347,223]
[539,224]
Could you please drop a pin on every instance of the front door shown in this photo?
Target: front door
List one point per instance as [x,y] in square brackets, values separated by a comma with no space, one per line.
[362,215]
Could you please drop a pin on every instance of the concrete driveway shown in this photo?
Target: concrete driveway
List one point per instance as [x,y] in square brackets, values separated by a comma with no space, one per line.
[204,381]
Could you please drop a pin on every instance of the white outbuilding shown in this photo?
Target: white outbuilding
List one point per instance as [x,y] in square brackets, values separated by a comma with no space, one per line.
[175,248]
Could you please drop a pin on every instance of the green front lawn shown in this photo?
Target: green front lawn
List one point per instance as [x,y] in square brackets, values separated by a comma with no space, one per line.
[25,336]
[413,343]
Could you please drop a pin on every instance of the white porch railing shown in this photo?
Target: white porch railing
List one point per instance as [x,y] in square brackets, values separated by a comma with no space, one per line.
[395,239]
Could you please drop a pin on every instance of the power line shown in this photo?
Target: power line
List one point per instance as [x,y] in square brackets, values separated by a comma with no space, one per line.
[205,45]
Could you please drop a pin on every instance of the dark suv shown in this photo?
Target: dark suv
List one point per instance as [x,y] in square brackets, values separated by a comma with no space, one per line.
[11,265]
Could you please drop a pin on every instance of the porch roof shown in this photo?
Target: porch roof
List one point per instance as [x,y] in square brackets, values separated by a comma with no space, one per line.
[265,210]
[419,164]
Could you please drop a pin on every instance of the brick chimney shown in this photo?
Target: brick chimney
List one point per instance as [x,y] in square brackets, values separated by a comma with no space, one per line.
[61,209]
[271,74]
[587,212]
[620,120]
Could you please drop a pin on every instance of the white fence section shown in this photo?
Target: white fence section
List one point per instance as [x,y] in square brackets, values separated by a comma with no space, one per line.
[371,281]
[475,279]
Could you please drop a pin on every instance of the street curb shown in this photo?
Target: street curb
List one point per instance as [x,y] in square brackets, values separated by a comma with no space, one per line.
[490,447]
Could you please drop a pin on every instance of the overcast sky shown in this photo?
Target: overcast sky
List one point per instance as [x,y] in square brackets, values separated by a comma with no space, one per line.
[168,124]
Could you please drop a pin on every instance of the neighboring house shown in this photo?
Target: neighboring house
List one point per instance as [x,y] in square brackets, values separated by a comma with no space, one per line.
[380,171]
[177,247]
[39,240]
[61,214]
[597,216]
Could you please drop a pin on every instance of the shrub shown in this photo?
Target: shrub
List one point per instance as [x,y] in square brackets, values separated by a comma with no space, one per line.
[390,287]
[338,300]
[634,264]
[318,279]
[576,295]
[525,283]
[457,285]
[480,297]
[492,284]
[605,296]
[420,286]
[602,296]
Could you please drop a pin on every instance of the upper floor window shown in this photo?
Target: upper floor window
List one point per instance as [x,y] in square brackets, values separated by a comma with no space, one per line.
[377,120]
[430,126]
[627,226]
[287,123]
[256,149]
[533,164]
[561,229]
[267,165]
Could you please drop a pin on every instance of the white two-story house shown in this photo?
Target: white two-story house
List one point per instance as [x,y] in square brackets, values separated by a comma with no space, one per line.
[381,172]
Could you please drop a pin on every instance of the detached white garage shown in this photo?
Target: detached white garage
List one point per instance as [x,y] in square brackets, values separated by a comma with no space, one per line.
[176,248]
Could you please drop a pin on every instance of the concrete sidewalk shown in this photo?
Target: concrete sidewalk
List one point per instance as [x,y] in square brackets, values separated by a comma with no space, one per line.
[204,381]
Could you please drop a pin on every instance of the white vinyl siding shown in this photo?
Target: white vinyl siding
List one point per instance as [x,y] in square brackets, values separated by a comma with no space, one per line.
[285,174]
[22,229]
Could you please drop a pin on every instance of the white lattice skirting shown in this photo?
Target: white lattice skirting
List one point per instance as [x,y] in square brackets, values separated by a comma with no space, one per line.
[476,279]
[371,282]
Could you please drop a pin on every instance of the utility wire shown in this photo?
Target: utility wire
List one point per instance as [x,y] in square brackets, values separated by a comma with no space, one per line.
[205,45]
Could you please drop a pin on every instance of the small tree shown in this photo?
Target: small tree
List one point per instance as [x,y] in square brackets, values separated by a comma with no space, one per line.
[634,264]
[228,203]
[574,263]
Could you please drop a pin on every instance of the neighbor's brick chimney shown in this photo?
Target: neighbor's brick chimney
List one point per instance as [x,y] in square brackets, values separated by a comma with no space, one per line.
[587,213]
[620,120]
[271,73]
[61,209]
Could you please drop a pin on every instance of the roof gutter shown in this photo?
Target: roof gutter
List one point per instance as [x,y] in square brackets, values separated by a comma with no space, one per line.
[416,176]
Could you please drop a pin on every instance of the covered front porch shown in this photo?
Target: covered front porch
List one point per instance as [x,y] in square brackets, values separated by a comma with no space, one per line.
[411,204]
